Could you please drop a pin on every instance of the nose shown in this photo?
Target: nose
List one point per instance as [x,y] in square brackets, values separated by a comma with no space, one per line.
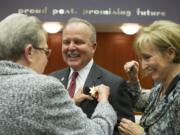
[72,45]
[144,64]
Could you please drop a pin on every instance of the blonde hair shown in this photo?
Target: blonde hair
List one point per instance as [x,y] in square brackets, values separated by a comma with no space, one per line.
[162,34]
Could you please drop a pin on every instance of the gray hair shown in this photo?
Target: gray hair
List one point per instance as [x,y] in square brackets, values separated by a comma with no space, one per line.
[16,31]
[91,27]
[163,34]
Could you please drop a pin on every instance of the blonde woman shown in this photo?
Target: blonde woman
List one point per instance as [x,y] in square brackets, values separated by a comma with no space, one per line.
[158,49]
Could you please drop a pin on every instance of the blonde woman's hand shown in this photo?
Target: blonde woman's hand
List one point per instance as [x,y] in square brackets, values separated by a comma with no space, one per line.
[127,127]
[132,70]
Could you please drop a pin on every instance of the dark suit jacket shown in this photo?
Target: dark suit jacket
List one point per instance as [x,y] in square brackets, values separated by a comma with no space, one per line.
[118,98]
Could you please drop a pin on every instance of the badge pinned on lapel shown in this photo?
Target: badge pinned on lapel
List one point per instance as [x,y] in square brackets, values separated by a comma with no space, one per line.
[62,79]
[94,91]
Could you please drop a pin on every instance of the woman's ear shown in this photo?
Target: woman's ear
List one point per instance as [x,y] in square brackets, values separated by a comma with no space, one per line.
[171,53]
[28,51]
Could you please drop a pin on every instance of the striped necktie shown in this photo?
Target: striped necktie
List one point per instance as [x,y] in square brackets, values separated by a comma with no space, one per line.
[72,85]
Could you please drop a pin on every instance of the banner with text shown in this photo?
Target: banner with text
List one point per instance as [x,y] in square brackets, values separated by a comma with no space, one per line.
[96,11]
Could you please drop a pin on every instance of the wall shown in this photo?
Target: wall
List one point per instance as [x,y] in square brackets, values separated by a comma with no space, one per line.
[113,51]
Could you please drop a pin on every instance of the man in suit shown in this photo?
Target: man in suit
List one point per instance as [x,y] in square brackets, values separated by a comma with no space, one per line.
[78,48]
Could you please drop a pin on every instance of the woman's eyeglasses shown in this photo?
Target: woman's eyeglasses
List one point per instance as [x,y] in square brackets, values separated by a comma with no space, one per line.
[47,51]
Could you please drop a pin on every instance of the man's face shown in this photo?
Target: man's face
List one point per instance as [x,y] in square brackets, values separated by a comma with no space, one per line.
[77,48]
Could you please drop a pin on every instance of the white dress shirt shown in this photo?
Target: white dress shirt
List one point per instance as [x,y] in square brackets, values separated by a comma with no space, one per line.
[81,78]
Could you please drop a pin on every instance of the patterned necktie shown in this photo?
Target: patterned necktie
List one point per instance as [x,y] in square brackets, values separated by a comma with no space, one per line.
[72,85]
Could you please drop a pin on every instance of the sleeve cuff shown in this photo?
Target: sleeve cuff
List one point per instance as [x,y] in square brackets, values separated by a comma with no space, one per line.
[144,133]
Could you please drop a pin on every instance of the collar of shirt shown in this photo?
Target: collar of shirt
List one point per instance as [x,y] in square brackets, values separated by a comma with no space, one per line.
[81,78]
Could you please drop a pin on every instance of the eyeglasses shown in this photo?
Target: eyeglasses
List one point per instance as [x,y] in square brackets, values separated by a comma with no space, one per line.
[47,51]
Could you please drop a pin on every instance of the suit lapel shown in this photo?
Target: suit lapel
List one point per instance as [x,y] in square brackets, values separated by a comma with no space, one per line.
[64,77]
[94,77]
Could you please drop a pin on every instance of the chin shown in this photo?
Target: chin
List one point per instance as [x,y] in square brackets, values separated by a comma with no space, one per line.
[155,77]
[74,66]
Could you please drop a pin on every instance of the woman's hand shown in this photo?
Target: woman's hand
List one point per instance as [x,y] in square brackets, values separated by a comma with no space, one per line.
[79,96]
[127,127]
[102,92]
[132,70]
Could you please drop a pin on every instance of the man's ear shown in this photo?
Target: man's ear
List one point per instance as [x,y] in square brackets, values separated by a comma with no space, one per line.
[94,47]
[28,51]
[171,53]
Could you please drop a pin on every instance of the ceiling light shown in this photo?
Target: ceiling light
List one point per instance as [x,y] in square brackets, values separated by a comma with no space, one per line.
[130,28]
[52,27]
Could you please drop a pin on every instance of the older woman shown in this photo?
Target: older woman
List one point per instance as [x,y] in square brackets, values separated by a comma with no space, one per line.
[158,49]
[35,104]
